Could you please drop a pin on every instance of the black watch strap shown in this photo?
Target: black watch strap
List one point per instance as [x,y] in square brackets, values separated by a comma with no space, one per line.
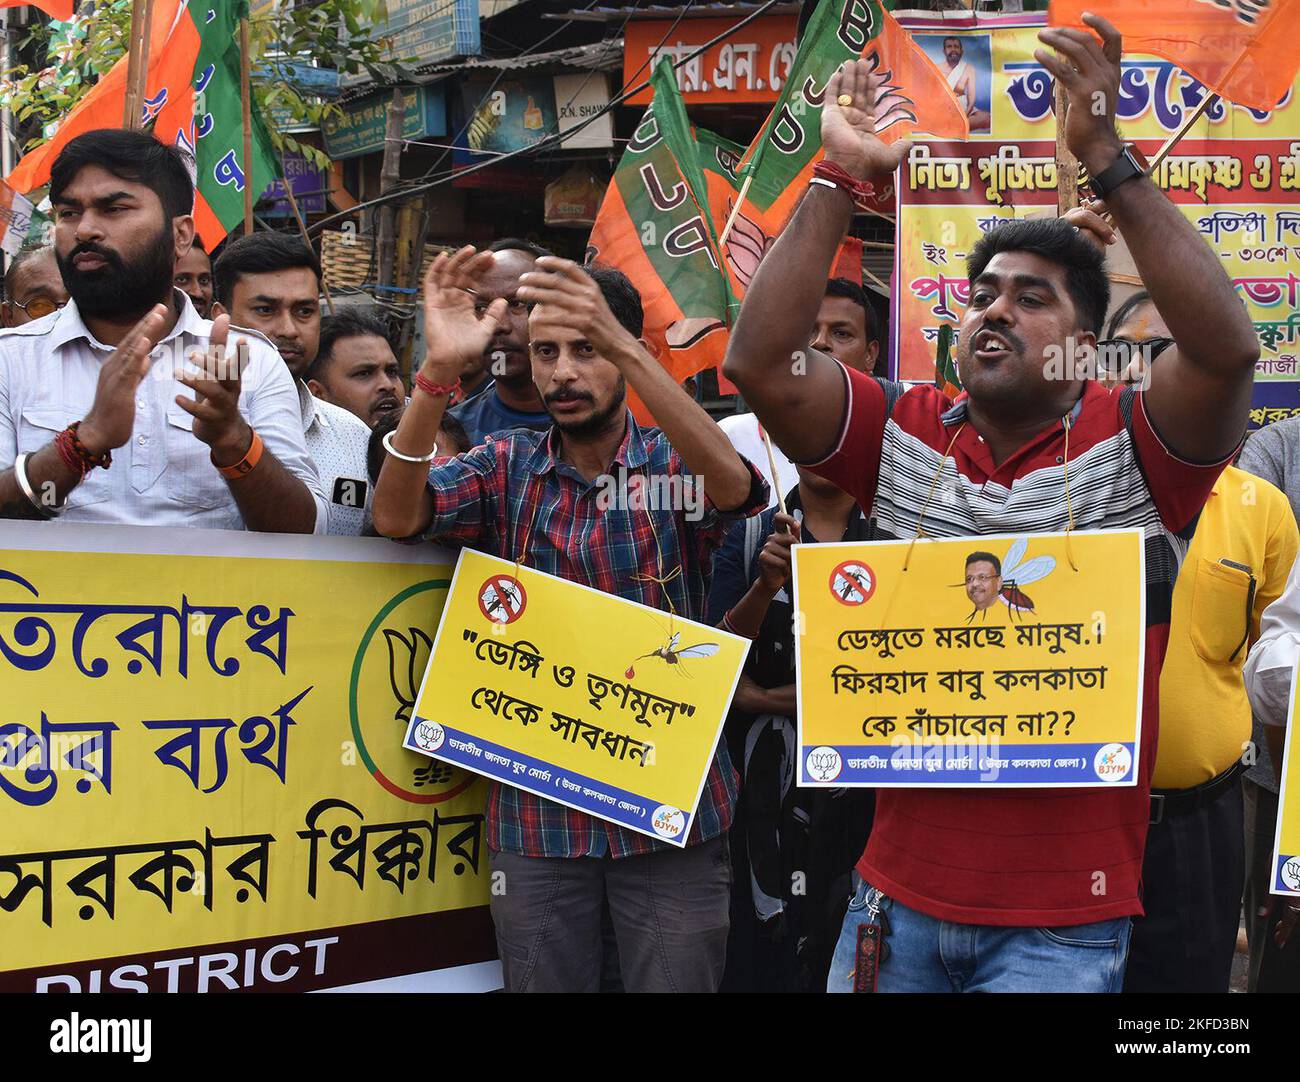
[1125,167]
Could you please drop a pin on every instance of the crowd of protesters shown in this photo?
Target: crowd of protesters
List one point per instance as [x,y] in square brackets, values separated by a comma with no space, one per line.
[145,382]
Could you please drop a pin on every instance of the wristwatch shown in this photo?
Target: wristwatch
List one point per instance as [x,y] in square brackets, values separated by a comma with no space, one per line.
[1128,165]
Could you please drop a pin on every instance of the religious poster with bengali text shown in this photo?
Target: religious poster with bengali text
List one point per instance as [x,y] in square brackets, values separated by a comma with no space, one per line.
[1235,176]
[578,696]
[202,784]
[1286,842]
[983,662]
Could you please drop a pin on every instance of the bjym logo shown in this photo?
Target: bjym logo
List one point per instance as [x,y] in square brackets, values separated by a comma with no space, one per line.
[120,1035]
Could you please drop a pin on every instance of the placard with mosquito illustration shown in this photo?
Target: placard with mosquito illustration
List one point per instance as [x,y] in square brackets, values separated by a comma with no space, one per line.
[1001,661]
[576,695]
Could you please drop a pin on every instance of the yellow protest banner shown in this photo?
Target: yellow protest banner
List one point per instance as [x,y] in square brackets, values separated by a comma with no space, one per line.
[992,661]
[202,785]
[1286,842]
[576,695]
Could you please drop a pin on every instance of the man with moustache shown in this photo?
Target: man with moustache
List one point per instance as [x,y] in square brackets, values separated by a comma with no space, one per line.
[125,407]
[271,282]
[33,287]
[532,496]
[355,367]
[1033,890]
[983,580]
[194,278]
[510,400]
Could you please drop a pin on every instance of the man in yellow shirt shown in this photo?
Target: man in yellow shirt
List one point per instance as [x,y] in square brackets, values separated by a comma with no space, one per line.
[1240,555]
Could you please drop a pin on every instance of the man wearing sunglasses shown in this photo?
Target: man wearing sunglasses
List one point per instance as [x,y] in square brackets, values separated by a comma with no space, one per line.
[33,287]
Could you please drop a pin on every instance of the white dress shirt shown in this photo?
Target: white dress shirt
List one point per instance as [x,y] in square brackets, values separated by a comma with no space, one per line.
[742,431]
[337,440]
[1271,662]
[163,475]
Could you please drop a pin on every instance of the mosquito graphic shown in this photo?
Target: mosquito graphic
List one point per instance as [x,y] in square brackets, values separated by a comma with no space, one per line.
[673,655]
[1012,575]
[494,604]
[859,581]
[1016,574]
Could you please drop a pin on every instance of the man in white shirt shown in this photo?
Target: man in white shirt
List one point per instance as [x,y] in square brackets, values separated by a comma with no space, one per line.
[271,282]
[125,407]
[849,330]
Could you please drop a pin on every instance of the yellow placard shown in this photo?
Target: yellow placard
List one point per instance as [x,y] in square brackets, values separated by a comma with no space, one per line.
[576,695]
[993,661]
[201,776]
[1286,842]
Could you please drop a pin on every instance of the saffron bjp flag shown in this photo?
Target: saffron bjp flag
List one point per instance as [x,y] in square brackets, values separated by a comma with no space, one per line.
[55,9]
[15,219]
[654,225]
[720,159]
[1243,50]
[780,160]
[191,100]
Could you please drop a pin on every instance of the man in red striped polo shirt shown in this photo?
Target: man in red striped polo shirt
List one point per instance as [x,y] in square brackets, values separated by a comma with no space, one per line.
[1010,890]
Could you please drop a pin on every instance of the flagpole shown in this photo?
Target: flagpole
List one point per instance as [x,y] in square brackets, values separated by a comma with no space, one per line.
[302,228]
[1173,140]
[735,210]
[137,65]
[771,465]
[246,100]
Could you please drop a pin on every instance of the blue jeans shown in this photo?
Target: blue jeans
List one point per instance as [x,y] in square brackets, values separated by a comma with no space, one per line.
[928,955]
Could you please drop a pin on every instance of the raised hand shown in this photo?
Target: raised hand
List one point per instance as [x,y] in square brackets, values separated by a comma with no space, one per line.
[111,419]
[216,386]
[1089,219]
[775,561]
[1088,66]
[849,131]
[455,333]
[570,297]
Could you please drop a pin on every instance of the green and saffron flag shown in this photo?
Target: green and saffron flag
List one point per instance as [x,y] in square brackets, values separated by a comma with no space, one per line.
[192,100]
[654,225]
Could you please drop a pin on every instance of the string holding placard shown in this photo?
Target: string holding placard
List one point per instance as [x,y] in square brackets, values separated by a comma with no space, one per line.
[1069,507]
[938,474]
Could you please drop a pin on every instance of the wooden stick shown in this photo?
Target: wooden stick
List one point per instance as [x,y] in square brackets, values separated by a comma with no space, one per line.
[246,100]
[137,65]
[302,228]
[1067,165]
[1173,140]
[771,465]
[735,210]
[883,285]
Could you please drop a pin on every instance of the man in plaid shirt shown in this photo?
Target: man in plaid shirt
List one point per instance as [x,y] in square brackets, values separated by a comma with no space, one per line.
[532,496]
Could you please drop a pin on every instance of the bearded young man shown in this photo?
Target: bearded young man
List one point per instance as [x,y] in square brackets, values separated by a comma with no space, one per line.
[532,497]
[125,407]
[1033,890]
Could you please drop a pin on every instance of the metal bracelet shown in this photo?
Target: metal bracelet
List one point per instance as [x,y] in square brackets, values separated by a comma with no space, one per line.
[20,474]
[418,459]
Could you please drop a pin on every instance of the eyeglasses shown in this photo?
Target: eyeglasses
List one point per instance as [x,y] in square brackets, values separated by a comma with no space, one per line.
[38,307]
[1115,355]
[979,580]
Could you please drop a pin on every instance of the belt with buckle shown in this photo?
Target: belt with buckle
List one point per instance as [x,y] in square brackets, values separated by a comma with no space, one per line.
[1170,802]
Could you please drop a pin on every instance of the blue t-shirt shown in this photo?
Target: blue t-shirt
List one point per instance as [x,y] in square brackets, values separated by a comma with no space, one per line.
[485,415]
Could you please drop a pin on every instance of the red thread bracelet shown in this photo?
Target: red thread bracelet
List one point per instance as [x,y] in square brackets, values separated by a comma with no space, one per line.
[425,384]
[860,191]
[76,455]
